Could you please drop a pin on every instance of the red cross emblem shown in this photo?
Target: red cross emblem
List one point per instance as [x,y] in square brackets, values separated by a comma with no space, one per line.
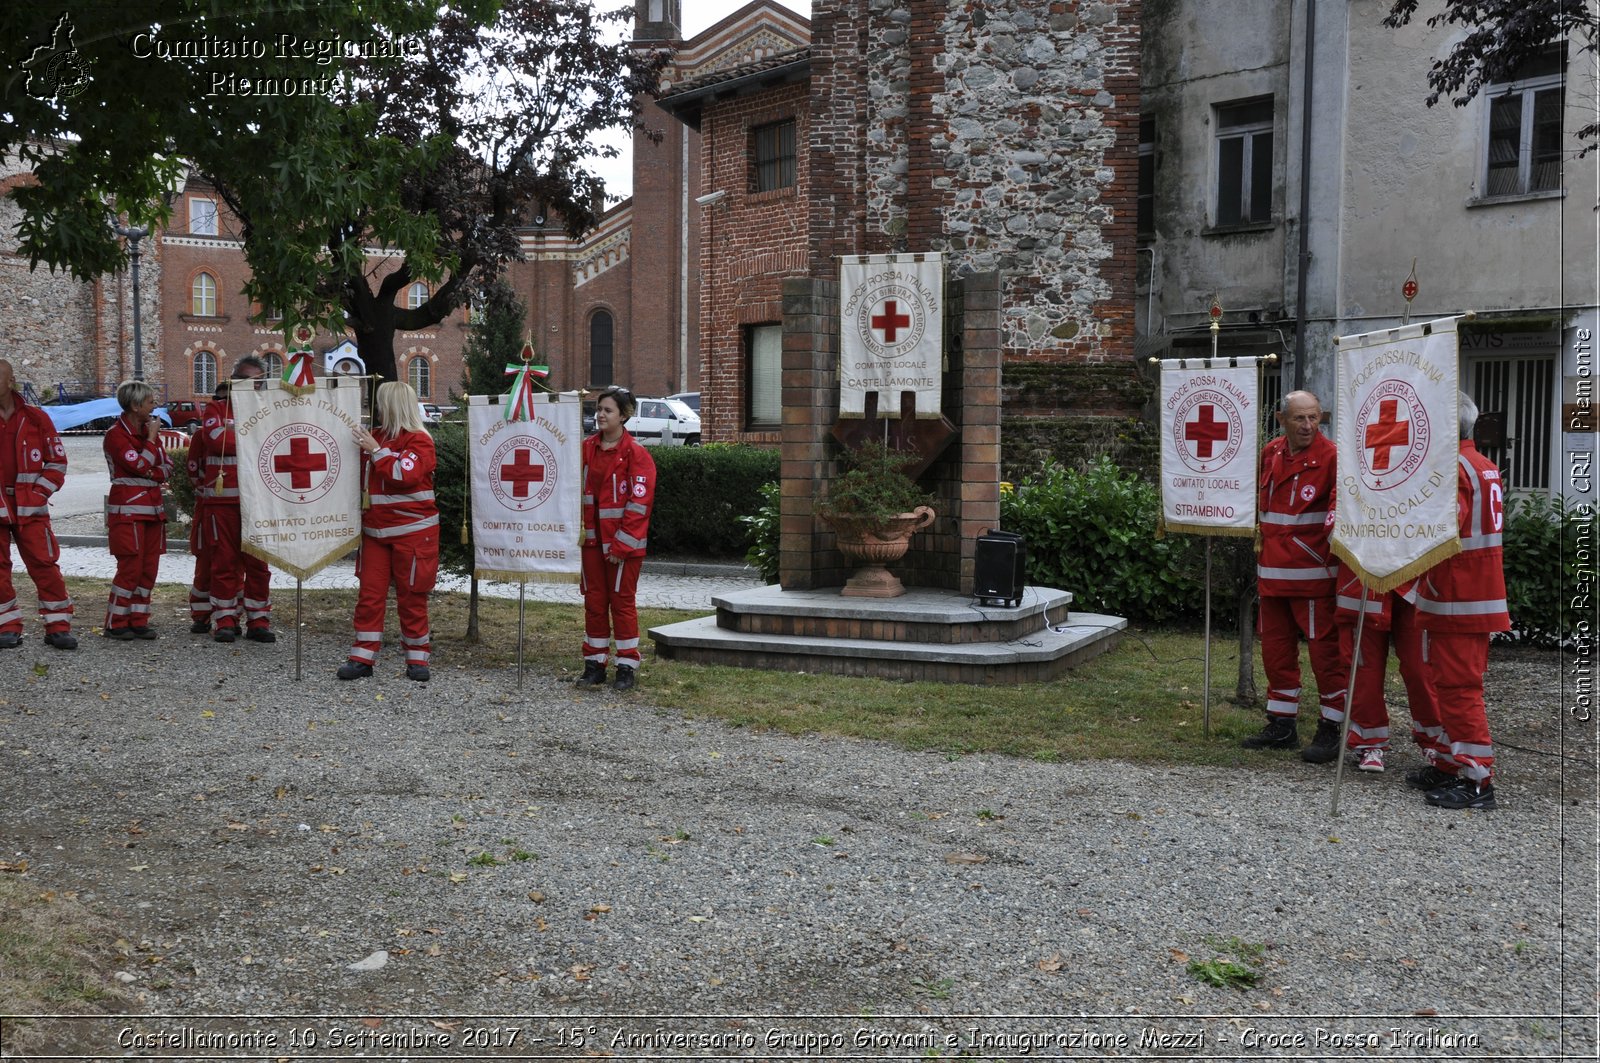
[1206,431]
[300,462]
[890,321]
[1386,433]
[522,471]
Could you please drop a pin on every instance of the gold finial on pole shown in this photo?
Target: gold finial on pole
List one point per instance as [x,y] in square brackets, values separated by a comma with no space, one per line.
[1216,323]
[1409,290]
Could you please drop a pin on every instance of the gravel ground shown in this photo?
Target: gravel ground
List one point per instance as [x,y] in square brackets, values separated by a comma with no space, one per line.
[703,889]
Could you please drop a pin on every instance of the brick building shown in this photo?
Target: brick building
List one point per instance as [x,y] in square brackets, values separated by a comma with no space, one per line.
[1006,138]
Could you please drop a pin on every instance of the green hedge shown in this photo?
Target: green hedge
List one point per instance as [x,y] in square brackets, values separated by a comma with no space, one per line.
[1093,533]
[701,492]
[179,484]
[1549,566]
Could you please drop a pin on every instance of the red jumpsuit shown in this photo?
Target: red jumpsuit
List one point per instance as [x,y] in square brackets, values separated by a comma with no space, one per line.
[1391,620]
[199,545]
[213,449]
[1460,602]
[619,487]
[136,520]
[1295,576]
[399,545]
[33,466]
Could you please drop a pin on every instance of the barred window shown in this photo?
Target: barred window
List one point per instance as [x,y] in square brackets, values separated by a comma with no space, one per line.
[772,155]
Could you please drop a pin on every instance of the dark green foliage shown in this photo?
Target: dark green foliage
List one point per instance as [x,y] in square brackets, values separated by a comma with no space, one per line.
[1093,533]
[873,490]
[178,483]
[765,525]
[701,492]
[450,494]
[1549,566]
[494,341]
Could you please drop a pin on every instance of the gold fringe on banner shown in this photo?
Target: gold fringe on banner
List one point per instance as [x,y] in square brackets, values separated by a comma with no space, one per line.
[1382,584]
[526,577]
[1206,529]
[297,571]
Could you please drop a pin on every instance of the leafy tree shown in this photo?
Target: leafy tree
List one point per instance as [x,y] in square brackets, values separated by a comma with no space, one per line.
[436,149]
[1501,36]
[495,339]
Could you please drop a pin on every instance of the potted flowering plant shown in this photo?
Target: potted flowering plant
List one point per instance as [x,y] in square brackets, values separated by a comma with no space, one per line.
[874,508]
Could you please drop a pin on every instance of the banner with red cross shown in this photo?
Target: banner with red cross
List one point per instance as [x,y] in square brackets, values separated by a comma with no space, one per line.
[299,473]
[891,332]
[1398,438]
[1210,424]
[527,476]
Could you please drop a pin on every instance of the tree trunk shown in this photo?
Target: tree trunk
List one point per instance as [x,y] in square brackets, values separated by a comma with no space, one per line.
[1245,692]
[472,612]
[375,342]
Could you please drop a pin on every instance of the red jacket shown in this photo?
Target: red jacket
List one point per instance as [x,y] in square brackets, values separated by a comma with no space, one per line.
[138,468]
[1295,508]
[398,478]
[213,452]
[41,463]
[619,487]
[1467,592]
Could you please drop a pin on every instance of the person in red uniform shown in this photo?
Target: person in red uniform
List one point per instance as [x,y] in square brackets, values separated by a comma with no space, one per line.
[619,487]
[136,518]
[1391,621]
[199,540]
[1460,602]
[215,446]
[33,466]
[399,533]
[1294,576]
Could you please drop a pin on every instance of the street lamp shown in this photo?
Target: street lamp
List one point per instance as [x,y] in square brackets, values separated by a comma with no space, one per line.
[133,234]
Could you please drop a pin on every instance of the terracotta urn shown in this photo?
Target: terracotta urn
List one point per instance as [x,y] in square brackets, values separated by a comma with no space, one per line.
[872,550]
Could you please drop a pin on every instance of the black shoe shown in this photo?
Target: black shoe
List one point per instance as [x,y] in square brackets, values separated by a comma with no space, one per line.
[225,634]
[354,670]
[1324,745]
[199,627]
[418,673]
[61,640]
[120,634]
[1428,777]
[260,634]
[1462,793]
[627,679]
[10,640]
[146,633]
[1279,733]
[594,675]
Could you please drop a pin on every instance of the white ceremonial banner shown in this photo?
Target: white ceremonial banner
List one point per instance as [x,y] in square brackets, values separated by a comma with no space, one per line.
[891,332]
[1210,431]
[299,472]
[527,489]
[1397,437]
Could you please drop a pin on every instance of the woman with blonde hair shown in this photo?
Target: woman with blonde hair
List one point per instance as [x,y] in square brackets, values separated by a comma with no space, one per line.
[399,532]
[136,517]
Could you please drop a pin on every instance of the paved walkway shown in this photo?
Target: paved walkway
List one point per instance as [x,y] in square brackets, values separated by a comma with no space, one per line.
[662,585]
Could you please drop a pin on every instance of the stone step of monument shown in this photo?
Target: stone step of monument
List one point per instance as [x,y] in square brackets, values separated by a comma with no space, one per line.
[1038,657]
[921,615]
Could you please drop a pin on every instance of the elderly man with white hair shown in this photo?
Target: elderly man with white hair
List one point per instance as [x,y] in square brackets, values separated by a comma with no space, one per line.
[33,466]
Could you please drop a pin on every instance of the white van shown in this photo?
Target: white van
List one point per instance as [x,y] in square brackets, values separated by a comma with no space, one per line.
[656,419]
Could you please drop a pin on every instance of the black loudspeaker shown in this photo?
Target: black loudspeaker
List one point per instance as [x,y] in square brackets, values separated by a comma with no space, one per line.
[1000,563]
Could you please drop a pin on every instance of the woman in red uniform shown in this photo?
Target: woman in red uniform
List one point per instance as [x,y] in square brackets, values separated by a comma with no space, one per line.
[619,487]
[136,518]
[399,532]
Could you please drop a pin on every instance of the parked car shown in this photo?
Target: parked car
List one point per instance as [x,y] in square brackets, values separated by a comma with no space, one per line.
[690,399]
[655,417]
[430,413]
[186,415]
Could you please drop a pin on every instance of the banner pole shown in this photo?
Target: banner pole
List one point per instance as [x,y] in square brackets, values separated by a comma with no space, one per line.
[522,605]
[1349,699]
[297,629]
[1206,697]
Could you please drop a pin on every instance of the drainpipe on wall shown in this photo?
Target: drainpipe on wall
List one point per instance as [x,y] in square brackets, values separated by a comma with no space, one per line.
[683,262]
[1150,296]
[1303,265]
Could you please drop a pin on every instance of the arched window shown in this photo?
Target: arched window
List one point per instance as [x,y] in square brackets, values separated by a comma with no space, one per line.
[274,362]
[419,373]
[205,374]
[203,295]
[416,295]
[600,349]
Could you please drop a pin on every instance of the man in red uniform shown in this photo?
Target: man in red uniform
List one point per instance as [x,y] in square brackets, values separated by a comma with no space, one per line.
[230,565]
[1294,576]
[619,487]
[200,545]
[136,517]
[33,466]
[1460,602]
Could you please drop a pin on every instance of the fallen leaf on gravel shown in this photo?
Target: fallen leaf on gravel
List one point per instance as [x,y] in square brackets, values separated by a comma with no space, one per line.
[458,876]
[1425,1011]
[432,930]
[965,858]
[434,950]
[205,714]
[405,932]
[1178,955]
[697,919]
[536,897]
[1184,1000]
[540,925]
[1050,964]
[1407,961]
[447,1027]
[247,960]
[601,909]
[238,826]
[140,867]
[18,868]
[580,971]
[372,1024]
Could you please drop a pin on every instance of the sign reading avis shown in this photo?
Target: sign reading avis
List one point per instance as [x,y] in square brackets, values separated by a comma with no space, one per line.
[299,473]
[1397,435]
[526,489]
[891,332]
[1209,439]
